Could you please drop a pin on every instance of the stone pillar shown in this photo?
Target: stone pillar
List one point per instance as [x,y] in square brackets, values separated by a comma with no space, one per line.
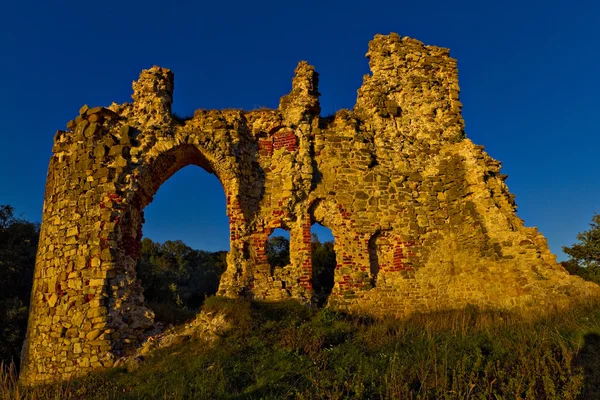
[301,247]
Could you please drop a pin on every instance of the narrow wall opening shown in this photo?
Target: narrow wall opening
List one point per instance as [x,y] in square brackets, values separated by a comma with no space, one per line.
[184,246]
[323,262]
[374,258]
[381,255]
[277,249]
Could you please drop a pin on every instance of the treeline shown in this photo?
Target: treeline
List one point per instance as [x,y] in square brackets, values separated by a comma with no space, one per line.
[176,278]
[18,245]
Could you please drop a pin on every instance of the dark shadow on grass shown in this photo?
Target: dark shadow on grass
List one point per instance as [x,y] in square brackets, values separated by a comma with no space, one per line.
[589,359]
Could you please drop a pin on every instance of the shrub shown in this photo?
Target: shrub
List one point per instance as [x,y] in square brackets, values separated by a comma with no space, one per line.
[18,246]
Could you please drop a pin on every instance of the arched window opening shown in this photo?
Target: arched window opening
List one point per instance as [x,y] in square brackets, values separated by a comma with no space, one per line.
[184,246]
[374,259]
[323,262]
[380,254]
[277,249]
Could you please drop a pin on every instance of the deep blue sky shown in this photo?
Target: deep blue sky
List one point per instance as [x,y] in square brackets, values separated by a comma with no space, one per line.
[528,75]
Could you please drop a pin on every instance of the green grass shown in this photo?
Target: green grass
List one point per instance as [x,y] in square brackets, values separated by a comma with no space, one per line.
[285,350]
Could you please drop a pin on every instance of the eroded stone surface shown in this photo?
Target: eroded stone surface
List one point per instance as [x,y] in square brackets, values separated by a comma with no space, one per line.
[421,216]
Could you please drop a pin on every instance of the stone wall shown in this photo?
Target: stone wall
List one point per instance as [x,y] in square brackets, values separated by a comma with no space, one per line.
[421,216]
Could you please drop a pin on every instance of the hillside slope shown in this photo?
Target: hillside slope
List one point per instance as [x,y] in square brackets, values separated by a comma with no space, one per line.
[286,350]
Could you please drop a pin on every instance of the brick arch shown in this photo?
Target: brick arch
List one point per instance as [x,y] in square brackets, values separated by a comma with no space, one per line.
[350,246]
[161,167]
[128,305]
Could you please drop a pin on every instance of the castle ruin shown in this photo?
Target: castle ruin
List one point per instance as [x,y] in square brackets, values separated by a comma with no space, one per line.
[421,216]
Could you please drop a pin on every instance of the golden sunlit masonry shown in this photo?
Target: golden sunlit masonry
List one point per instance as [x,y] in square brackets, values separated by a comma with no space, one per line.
[421,216]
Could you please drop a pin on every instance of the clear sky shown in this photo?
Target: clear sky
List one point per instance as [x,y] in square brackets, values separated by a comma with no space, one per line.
[528,73]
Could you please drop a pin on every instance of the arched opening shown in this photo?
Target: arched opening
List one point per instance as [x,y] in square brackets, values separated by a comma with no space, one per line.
[184,238]
[380,254]
[277,249]
[323,262]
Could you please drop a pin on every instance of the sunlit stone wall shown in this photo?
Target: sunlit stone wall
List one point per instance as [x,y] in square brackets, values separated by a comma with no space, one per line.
[421,216]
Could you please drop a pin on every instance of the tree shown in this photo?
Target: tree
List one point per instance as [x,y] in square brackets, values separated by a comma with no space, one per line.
[18,246]
[585,255]
[176,278]
[278,251]
[323,264]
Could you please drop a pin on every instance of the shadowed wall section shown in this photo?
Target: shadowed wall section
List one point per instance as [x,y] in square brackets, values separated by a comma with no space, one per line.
[421,216]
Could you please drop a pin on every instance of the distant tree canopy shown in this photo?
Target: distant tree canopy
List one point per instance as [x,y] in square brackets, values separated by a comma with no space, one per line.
[278,251]
[323,263]
[585,255]
[176,277]
[18,246]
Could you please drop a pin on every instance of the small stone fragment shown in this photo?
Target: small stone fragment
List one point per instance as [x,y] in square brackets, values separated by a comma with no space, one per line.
[125,132]
[95,118]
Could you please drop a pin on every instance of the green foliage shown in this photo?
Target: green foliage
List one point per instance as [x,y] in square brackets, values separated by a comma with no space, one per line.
[277,249]
[289,351]
[323,263]
[18,246]
[177,278]
[585,255]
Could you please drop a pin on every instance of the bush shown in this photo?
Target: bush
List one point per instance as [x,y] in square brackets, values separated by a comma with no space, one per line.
[18,246]
[584,256]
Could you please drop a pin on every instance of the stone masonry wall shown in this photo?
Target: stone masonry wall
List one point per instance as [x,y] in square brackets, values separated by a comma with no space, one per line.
[421,216]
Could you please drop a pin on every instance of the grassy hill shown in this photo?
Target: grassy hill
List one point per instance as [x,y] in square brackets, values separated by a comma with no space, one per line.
[285,350]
